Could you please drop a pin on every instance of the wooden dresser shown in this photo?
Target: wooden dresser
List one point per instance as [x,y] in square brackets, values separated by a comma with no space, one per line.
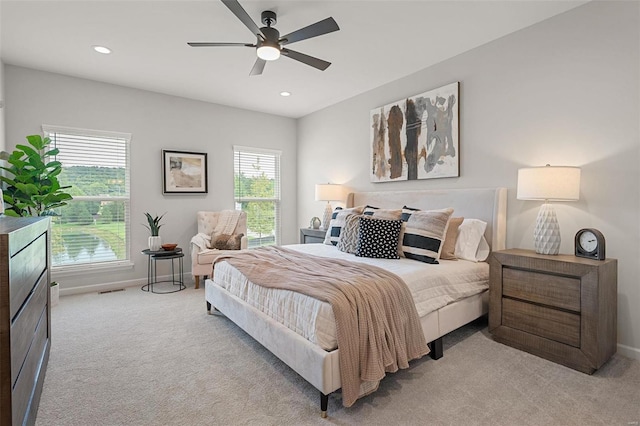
[25,318]
[562,308]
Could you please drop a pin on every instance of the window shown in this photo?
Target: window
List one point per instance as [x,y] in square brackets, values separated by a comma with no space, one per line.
[93,228]
[257,192]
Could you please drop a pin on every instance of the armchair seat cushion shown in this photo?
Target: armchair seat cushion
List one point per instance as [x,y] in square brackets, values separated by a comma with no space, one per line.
[207,256]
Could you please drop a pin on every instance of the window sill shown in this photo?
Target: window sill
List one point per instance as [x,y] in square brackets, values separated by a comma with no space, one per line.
[73,270]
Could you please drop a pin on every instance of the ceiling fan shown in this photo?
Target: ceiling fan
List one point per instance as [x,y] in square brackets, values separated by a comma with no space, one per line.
[269,44]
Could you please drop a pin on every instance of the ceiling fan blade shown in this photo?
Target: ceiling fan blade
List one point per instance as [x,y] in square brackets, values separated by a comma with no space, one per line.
[258,67]
[325,26]
[207,44]
[306,59]
[243,16]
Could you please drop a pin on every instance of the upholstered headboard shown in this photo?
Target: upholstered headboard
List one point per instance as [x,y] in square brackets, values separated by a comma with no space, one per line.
[487,204]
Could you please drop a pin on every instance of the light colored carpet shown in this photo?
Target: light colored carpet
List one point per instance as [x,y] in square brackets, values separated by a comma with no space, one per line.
[135,358]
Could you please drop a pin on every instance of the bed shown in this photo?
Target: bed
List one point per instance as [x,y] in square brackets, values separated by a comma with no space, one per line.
[313,354]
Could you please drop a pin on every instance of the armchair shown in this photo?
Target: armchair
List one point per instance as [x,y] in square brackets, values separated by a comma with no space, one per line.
[202,257]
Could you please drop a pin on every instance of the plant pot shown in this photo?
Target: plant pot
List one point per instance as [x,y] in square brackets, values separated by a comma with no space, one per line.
[55,294]
[155,243]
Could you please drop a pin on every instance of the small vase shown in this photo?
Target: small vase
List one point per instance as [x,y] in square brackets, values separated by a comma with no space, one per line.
[155,243]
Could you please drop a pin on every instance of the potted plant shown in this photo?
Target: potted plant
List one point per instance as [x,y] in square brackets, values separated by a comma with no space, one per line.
[155,242]
[32,186]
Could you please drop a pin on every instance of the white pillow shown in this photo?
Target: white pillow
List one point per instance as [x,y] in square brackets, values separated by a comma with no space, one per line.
[471,244]
[483,250]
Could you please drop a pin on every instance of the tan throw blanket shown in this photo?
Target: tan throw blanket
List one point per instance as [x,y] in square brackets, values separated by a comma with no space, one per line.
[377,324]
[227,222]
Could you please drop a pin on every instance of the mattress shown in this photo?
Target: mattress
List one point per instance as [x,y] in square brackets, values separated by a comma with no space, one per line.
[432,287]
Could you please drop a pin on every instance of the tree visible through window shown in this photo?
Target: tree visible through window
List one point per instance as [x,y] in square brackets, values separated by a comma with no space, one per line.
[93,228]
[257,192]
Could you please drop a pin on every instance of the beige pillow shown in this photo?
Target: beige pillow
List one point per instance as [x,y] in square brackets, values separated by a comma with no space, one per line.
[226,241]
[449,245]
[387,214]
[349,235]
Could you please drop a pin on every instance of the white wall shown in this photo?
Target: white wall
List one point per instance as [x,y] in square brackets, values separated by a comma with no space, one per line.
[563,92]
[2,108]
[156,122]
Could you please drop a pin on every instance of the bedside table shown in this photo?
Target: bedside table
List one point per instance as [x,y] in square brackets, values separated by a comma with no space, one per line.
[561,307]
[310,235]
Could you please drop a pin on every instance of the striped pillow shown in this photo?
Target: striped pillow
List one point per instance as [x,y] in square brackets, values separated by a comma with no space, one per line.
[379,213]
[369,210]
[338,219]
[424,234]
[407,211]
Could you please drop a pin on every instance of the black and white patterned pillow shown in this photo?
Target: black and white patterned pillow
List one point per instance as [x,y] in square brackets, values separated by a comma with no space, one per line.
[378,238]
[338,219]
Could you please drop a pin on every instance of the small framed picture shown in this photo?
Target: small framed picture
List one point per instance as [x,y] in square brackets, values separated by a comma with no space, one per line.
[184,172]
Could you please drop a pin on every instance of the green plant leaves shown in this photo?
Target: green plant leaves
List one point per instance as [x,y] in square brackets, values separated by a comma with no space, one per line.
[33,189]
[154,224]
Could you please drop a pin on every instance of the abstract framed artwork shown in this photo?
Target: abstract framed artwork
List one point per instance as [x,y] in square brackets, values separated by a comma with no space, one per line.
[184,172]
[417,137]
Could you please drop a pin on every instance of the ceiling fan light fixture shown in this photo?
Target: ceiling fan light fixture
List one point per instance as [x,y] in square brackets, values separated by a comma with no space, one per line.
[268,52]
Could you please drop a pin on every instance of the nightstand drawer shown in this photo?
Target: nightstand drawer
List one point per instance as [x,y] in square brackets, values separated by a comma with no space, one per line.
[547,289]
[310,235]
[545,322]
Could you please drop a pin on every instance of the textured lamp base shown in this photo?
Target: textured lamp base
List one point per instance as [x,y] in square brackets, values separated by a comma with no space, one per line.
[546,235]
[326,218]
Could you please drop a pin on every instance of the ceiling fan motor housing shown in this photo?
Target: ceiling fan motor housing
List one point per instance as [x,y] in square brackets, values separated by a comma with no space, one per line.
[268,18]
[271,35]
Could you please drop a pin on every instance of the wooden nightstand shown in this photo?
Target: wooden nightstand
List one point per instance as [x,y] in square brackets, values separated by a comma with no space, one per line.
[310,235]
[562,308]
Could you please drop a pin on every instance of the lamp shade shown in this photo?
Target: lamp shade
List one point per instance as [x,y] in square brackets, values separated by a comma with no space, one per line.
[554,183]
[328,192]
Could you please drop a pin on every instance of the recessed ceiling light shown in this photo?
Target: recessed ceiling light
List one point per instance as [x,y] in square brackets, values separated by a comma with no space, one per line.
[102,49]
[285,93]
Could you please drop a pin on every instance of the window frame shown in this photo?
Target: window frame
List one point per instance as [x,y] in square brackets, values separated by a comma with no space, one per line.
[127,262]
[277,154]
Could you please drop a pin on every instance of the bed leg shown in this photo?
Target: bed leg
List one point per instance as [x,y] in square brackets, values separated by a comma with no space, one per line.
[324,402]
[436,348]
[209,308]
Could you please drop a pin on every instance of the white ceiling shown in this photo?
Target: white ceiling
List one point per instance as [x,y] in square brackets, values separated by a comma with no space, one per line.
[378,42]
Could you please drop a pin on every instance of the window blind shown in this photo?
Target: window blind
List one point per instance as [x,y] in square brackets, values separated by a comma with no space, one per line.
[94,227]
[257,192]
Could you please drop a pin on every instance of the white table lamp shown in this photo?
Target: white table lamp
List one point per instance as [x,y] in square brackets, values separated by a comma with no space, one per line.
[328,192]
[548,183]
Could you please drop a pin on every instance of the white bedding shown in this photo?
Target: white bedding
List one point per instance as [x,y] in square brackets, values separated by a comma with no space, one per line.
[432,287]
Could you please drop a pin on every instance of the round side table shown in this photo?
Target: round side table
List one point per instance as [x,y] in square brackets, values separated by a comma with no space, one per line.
[176,281]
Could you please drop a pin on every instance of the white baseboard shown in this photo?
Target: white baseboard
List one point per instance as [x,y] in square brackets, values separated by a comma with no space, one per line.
[629,352]
[95,288]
